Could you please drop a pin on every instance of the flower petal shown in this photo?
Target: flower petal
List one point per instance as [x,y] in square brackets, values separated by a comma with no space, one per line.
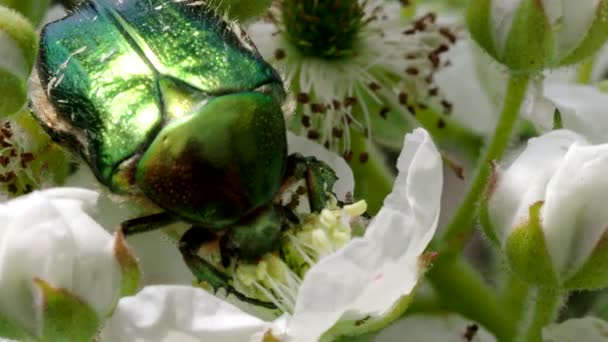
[157,254]
[372,273]
[180,313]
[345,183]
[579,329]
[47,235]
[471,99]
[160,259]
[524,182]
[582,107]
[433,328]
[572,20]
[574,209]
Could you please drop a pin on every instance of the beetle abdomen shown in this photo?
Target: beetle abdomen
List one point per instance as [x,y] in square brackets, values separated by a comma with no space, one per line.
[222,162]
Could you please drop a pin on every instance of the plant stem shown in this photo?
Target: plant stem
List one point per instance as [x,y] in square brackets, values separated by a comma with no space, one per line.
[515,294]
[462,223]
[584,71]
[546,306]
[461,289]
[373,179]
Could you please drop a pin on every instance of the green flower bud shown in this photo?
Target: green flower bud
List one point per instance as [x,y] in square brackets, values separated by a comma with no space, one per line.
[532,35]
[34,10]
[18,46]
[547,212]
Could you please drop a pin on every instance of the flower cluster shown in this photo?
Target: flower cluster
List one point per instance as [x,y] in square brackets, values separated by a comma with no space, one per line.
[350,240]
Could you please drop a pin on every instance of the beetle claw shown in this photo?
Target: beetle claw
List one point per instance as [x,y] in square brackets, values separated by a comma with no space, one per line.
[204,271]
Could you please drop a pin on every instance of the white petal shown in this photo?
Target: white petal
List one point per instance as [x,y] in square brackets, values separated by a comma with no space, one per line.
[180,313]
[502,13]
[447,328]
[47,235]
[472,105]
[524,182]
[583,109]
[371,273]
[159,259]
[158,255]
[579,329]
[574,213]
[306,147]
[571,20]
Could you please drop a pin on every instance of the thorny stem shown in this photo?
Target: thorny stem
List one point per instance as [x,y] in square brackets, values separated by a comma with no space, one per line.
[459,288]
[584,71]
[515,294]
[455,282]
[546,305]
[462,222]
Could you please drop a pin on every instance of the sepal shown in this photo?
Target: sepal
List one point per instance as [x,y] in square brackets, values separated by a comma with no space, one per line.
[64,316]
[527,251]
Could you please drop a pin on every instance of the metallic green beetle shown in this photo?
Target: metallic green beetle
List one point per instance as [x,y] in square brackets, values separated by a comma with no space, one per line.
[167,101]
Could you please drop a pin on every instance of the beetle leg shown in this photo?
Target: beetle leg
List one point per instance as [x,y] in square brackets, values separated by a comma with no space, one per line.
[204,271]
[319,177]
[147,223]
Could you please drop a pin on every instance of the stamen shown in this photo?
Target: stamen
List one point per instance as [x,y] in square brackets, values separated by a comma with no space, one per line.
[276,277]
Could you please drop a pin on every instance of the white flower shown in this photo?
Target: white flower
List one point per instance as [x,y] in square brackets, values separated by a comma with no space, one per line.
[579,329]
[582,108]
[547,211]
[368,74]
[529,36]
[371,279]
[53,254]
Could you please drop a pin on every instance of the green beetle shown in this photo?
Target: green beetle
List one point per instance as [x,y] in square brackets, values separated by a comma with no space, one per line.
[167,101]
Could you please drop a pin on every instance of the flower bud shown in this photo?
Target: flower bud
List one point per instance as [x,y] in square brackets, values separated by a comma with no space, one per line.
[61,273]
[547,212]
[33,10]
[531,35]
[18,46]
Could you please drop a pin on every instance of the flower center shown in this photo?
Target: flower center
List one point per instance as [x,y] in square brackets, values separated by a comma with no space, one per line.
[276,278]
[324,28]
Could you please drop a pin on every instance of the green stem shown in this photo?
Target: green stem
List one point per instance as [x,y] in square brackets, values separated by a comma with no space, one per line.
[584,71]
[546,306]
[462,223]
[515,294]
[373,178]
[461,289]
